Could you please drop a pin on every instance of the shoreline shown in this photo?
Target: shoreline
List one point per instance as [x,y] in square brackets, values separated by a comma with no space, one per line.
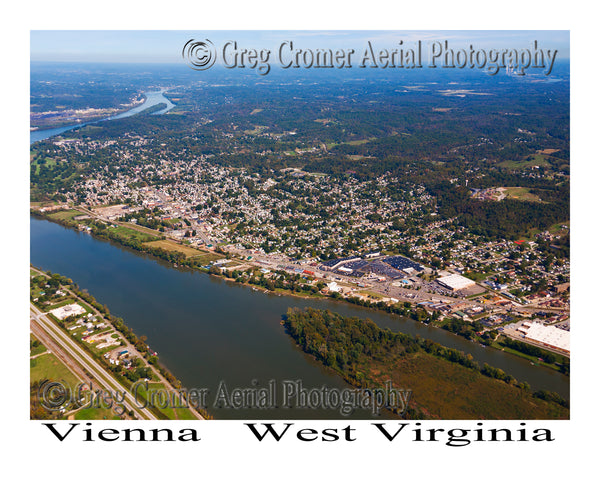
[86,121]
[70,126]
[164,255]
[164,376]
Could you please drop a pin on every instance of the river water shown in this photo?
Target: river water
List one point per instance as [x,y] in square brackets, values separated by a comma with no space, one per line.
[207,330]
[152,98]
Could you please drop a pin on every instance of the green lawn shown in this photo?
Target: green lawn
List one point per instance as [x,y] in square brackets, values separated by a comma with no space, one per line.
[96,414]
[129,233]
[521,193]
[537,159]
[65,214]
[48,367]
[476,276]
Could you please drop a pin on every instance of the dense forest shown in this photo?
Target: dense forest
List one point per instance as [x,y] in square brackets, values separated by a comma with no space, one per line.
[360,125]
[366,355]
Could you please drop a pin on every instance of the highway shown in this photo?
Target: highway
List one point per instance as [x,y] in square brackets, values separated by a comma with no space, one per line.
[80,359]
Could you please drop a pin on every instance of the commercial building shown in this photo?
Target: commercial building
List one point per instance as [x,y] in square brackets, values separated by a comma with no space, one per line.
[67,311]
[455,282]
[549,336]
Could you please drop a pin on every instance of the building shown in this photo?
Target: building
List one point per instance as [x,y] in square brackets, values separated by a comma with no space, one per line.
[548,336]
[67,311]
[455,282]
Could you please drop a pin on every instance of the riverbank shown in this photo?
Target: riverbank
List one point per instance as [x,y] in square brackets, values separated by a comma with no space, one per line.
[291,286]
[60,291]
[149,100]
[444,383]
[208,330]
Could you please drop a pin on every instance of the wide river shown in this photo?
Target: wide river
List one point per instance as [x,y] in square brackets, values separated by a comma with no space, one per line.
[207,330]
[152,98]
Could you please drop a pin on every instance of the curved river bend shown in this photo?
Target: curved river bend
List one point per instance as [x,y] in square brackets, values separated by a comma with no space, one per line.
[207,330]
[152,98]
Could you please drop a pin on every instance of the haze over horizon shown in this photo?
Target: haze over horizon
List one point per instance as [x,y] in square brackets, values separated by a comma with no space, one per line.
[145,46]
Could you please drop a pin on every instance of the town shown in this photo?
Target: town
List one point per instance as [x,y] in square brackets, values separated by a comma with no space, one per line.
[353,238]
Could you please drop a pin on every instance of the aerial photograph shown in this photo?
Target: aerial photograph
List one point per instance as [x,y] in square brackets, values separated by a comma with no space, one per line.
[304,225]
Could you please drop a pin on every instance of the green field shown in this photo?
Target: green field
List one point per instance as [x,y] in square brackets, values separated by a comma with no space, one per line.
[65,214]
[48,367]
[360,142]
[351,142]
[96,414]
[129,233]
[521,193]
[537,159]
[476,277]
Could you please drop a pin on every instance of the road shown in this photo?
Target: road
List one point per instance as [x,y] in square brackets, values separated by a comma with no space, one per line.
[80,359]
[127,345]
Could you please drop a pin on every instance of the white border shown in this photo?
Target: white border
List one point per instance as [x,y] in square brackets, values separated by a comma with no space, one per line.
[226,449]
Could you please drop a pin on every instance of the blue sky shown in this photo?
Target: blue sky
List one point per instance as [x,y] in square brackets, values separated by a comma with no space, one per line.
[158,46]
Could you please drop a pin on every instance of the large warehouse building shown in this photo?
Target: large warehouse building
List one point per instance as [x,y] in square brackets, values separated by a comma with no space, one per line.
[455,282]
[548,336]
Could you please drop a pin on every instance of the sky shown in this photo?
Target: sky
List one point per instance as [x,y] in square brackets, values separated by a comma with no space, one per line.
[165,46]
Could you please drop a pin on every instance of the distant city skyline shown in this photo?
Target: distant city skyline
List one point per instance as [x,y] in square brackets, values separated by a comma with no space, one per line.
[165,46]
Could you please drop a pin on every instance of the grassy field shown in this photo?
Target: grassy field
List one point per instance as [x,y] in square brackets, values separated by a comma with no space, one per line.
[351,142]
[360,142]
[449,391]
[65,214]
[477,277]
[537,159]
[371,295]
[96,414]
[48,367]
[175,247]
[130,233]
[521,193]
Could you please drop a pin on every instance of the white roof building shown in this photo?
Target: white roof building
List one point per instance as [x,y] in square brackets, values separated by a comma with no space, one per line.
[455,282]
[549,336]
[67,310]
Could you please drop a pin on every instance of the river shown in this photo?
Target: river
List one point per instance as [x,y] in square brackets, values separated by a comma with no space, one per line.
[207,330]
[152,98]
